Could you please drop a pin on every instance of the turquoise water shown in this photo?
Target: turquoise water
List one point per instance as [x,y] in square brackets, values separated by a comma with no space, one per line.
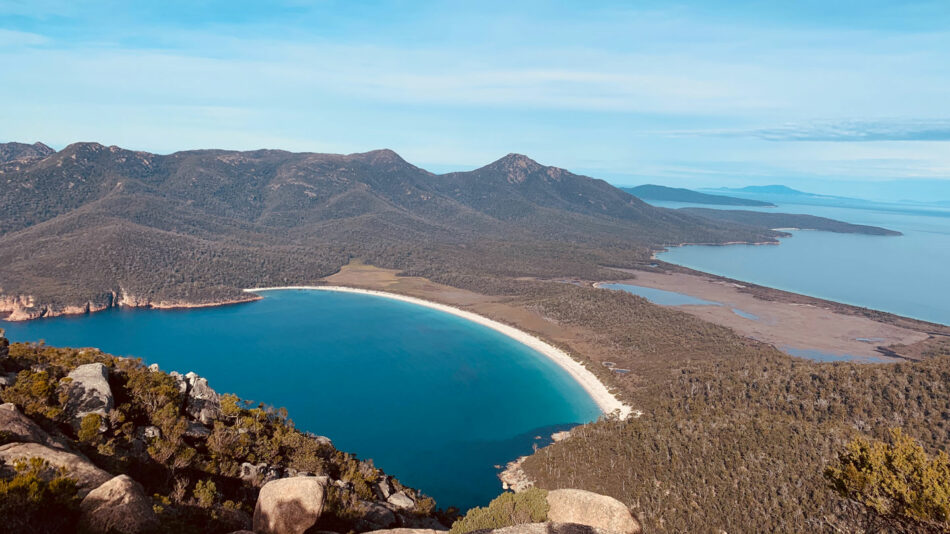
[433,399]
[906,275]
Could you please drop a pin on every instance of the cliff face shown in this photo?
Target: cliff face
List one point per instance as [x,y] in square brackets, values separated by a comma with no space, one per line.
[25,307]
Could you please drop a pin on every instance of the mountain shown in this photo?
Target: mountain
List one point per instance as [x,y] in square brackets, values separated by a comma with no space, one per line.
[677,194]
[22,151]
[788,220]
[93,226]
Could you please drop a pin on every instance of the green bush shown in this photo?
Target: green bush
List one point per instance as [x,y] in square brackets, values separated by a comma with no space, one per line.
[895,479]
[38,499]
[530,506]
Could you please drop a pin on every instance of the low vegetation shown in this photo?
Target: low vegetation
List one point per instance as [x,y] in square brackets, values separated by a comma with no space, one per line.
[895,479]
[37,499]
[508,509]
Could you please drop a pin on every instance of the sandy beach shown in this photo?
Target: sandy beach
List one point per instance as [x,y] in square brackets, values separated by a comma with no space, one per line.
[605,400]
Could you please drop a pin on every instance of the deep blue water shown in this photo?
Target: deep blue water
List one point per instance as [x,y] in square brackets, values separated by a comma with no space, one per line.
[906,275]
[433,399]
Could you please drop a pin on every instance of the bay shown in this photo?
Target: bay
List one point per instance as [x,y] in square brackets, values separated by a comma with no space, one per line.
[905,275]
[433,399]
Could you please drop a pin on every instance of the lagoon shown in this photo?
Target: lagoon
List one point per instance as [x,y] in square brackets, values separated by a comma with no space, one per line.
[906,275]
[433,399]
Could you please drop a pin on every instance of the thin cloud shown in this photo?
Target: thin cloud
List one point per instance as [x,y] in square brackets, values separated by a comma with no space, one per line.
[843,131]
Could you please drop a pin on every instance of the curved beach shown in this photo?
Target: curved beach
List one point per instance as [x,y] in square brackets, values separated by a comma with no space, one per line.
[605,400]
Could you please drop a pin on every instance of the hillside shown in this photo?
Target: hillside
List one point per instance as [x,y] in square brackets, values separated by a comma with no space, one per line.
[22,151]
[787,220]
[677,194]
[93,226]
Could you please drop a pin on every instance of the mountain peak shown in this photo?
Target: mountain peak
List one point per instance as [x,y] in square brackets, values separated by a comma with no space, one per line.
[382,156]
[514,160]
[23,151]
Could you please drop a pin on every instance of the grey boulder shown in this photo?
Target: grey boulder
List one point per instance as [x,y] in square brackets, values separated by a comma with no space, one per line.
[290,505]
[117,506]
[88,392]
[86,474]
[591,509]
[20,428]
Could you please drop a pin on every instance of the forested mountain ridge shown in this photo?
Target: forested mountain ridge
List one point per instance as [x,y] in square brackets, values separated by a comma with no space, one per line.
[91,226]
[23,151]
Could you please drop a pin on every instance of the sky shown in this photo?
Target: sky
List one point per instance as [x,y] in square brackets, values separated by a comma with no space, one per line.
[819,95]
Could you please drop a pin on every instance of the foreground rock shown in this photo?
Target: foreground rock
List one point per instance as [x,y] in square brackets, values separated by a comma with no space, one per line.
[290,505]
[591,509]
[19,428]
[87,475]
[547,528]
[406,531]
[88,392]
[117,506]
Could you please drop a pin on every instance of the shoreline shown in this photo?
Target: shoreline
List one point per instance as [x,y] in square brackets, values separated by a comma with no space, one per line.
[606,401]
[665,248]
[12,309]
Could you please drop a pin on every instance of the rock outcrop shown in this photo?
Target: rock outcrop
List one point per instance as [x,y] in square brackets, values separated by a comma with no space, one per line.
[117,506]
[201,402]
[514,477]
[7,380]
[290,505]
[591,509]
[88,392]
[86,474]
[376,516]
[401,500]
[19,428]
[259,474]
[547,528]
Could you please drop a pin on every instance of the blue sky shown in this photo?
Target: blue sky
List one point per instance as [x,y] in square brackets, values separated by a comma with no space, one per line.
[693,93]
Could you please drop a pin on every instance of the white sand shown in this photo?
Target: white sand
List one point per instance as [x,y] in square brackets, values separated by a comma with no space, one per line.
[605,400]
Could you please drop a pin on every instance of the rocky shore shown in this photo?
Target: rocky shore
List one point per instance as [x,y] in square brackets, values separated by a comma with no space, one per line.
[26,307]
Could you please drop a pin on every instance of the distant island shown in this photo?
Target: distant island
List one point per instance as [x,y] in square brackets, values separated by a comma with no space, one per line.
[678,194]
[787,220]
[766,190]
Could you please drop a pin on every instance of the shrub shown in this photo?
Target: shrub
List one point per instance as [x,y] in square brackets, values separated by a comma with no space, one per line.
[530,506]
[895,479]
[206,493]
[89,428]
[38,499]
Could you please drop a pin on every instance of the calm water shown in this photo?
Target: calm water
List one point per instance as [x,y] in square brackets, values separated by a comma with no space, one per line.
[906,275]
[432,398]
[661,296]
[672,298]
